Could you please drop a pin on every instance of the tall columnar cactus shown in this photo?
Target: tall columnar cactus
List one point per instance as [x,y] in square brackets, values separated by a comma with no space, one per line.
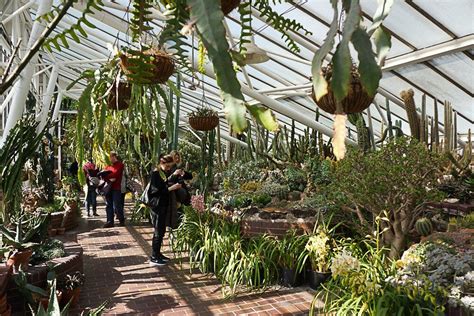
[448,126]
[436,126]
[410,107]
[363,133]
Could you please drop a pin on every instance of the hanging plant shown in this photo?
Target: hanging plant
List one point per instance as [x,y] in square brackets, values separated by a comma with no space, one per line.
[119,96]
[203,119]
[356,100]
[149,66]
[339,88]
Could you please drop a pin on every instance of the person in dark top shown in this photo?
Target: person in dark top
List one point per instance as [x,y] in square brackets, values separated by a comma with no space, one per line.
[92,181]
[160,188]
[177,174]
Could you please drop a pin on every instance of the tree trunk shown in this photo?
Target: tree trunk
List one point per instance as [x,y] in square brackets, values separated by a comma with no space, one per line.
[397,245]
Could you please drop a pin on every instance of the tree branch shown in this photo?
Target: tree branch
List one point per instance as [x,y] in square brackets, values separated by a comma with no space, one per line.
[35,48]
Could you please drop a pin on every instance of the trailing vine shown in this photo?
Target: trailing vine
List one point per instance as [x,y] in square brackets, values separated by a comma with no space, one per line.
[245,10]
[140,18]
[75,29]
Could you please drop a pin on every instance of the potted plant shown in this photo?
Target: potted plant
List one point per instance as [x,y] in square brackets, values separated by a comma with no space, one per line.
[203,119]
[20,242]
[290,261]
[71,287]
[318,251]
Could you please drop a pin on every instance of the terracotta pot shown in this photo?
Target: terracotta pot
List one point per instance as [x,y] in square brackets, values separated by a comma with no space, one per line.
[60,231]
[124,92]
[20,258]
[71,296]
[357,99]
[161,66]
[204,123]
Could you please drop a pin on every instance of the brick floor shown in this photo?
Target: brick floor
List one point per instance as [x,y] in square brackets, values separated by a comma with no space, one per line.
[117,269]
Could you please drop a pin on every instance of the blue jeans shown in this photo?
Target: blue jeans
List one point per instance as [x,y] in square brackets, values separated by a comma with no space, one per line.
[91,200]
[114,204]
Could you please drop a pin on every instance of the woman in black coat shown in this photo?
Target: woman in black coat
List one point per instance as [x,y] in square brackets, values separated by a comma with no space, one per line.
[160,190]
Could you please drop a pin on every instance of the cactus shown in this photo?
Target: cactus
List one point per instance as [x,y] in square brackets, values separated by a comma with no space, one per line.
[423,226]
[413,119]
[363,133]
[436,126]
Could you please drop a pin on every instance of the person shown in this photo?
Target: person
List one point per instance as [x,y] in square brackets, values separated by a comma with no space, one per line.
[160,188]
[92,181]
[180,196]
[113,199]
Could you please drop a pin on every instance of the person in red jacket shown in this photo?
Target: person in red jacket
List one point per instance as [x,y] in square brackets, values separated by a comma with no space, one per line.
[113,199]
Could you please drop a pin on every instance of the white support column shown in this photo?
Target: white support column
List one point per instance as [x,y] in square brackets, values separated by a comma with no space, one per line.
[59,148]
[57,107]
[47,97]
[22,85]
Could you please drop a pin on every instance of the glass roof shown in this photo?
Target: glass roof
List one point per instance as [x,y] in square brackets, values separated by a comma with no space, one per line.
[436,26]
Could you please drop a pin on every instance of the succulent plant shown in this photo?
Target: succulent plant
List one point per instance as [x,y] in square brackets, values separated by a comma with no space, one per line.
[423,226]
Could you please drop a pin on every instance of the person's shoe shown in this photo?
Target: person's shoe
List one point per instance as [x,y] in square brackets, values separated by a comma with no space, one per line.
[157,262]
[164,258]
[95,214]
[108,225]
[122,224]
[88,215]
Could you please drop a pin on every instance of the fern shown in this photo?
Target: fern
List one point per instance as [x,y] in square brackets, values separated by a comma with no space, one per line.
[279,23]
[75,29]
[140,18]
[246,24]
[171,33]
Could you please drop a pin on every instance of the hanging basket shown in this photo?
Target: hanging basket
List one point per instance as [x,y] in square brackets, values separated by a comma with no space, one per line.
[124,91]
[204,123]
[155,66]
[357,99]
[229,5]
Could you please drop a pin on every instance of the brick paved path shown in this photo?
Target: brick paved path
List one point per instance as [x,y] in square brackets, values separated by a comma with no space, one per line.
[117,269]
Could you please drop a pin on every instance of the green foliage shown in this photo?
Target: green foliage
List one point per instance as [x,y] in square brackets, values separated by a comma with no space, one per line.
[466,221]
[51,249]
[398,178]
[75,30]
[20,145]
[140,18]
[251,186]
[261,199]
[203,111]
[289,249]
[21,236]
[295,178]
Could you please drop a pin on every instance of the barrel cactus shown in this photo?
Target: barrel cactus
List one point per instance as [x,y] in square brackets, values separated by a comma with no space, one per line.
[423,226]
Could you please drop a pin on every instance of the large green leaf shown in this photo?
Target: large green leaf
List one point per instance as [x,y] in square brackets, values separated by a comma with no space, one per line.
[383,43]
[370,72]
[208,17]
[342,57]
[264,116]
[320,84]
[380,14]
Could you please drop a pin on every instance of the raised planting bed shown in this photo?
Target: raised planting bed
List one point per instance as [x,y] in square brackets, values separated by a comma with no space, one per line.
[72,262]
[275,221]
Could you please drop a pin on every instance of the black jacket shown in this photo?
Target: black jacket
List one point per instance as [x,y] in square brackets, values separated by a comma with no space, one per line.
[159,189]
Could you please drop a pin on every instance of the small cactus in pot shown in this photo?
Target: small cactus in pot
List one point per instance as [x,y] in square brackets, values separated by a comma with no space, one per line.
[423,226]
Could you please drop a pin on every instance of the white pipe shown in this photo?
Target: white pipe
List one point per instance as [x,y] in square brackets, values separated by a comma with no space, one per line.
[22,86]
[47,97]
[5,102]
[18,11]
[42,70]
[57,106]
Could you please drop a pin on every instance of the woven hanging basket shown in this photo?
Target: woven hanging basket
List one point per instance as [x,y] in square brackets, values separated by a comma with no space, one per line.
[160,67]
[357,99]
[124,90]
[229,5]
[204,123]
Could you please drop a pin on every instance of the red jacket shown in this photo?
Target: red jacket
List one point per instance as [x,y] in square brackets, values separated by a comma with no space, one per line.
[117,172]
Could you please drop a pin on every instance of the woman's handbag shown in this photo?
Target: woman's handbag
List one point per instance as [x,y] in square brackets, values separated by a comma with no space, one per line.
[104,187]
[146,197]
[183,196]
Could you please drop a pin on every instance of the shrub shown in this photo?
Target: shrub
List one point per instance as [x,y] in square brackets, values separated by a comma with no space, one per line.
[398,178]
[51,249]
[295,178]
